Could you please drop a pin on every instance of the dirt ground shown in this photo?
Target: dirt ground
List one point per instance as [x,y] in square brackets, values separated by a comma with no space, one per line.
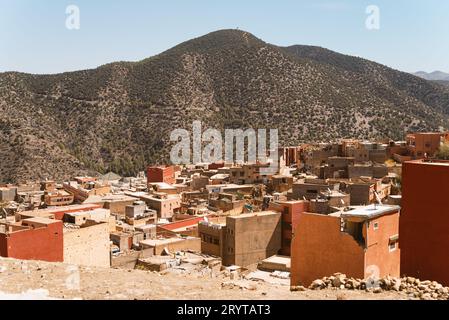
[71,282]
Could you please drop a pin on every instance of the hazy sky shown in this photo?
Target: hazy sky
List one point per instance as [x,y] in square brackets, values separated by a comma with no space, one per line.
[413,34]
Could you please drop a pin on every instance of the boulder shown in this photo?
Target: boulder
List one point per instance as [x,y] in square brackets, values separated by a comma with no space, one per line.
[317,285]
[339,280]
[298,288]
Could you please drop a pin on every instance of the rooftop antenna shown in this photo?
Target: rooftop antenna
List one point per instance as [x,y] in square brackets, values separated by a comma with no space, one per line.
[378,200]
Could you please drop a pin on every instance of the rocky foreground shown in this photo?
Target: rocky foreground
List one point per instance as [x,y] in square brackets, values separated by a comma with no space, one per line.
[412,287]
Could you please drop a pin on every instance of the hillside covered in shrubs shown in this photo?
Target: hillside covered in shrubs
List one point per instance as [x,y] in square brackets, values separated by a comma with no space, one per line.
[119,116]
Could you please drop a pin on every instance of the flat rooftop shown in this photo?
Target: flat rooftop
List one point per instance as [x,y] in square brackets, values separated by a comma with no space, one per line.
[51,211]
[41,220]
[90,212]
[160,242]
[278,260]
[109,198]
[259,214]
[369,212]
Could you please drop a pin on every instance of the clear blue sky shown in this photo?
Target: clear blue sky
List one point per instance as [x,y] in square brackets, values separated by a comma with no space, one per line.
[413,34]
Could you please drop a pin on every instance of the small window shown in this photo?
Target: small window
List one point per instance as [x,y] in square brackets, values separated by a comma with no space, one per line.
[376,225]
[392,246]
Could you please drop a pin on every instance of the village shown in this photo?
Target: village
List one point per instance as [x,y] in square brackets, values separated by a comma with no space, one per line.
[353,215]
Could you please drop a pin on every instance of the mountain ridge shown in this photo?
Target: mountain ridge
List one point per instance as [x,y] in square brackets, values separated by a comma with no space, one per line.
[118,117]
[433,76]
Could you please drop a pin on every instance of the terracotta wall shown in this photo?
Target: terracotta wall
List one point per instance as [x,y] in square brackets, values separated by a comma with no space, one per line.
[45,244]
[320,249]
[424,221]
[161,174]
[378,253]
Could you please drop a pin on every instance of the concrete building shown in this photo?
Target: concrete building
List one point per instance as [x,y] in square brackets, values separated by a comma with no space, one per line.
[367,170]
[251,238]
[359,243]
[280,183]
[424,223]
[199,182]
[87,244]
[227,202]
[423,144]
[56,213]
[172,245]
[116,203]
[290,211]
[8,193]
[212,236]
[58,198]
[337,167]
[97,215]
[248,174]
[164,204]
[362,193]
[83,187]
[311,189]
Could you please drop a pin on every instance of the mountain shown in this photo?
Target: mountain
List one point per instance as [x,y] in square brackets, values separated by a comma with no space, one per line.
[119,116]
[443,82]
[433,76]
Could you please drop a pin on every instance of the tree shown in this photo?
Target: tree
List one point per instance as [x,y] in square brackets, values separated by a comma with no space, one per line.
[443,153]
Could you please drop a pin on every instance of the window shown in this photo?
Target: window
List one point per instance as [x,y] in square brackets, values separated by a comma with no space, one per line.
[392,246]
[376,225]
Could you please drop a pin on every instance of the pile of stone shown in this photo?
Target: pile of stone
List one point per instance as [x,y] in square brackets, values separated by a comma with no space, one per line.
[239,284]
[412,287]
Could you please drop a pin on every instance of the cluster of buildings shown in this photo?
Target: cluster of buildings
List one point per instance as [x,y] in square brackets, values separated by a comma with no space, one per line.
[355,207]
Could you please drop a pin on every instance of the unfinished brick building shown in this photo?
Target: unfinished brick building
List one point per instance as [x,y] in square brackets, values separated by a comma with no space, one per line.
[161,174]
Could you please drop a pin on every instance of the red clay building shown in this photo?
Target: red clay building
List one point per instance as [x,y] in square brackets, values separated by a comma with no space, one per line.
[33,239]
[424,223]
[421,144]
[291,211]
[161,174]
[216,165]
[359,243]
